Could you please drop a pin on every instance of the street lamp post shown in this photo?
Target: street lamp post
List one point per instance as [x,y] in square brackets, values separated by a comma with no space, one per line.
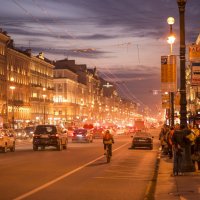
[171,40]
[44,113]
[13,118]
[44,117]
[187,165]
[183,101]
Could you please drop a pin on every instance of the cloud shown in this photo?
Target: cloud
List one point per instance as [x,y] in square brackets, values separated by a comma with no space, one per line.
[87,53]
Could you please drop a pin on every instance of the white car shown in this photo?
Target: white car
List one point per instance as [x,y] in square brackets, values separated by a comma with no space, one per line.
[7,140]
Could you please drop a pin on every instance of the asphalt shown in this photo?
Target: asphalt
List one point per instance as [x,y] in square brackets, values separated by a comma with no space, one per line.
[185,187]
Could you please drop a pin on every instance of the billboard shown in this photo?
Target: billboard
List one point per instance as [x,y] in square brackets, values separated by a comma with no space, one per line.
[168,73]
[194,52]
[195,73]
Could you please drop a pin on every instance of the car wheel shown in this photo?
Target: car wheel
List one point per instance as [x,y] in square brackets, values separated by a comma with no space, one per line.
[35,148]
[59,147]
[5,149]
[13,147]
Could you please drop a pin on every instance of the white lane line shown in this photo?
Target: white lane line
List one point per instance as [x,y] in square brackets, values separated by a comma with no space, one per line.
[23,196]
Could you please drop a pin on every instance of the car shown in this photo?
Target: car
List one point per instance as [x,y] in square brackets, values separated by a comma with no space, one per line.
[20,134]
[98,133]
[29,131]
[82,135]
[7,140]
[49,135]
[142,139]
[120,131]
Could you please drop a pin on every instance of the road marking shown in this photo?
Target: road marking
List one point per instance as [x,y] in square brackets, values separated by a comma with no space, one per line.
[23,196]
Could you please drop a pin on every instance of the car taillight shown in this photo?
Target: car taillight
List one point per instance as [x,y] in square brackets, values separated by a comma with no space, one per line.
[35,135]
[54,135]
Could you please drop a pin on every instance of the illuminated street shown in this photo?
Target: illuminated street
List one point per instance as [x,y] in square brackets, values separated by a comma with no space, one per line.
[82,169]
[99,99]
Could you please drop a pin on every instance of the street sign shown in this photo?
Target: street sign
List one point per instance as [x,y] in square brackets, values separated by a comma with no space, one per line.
[194,52]
[168,73]
[195,74]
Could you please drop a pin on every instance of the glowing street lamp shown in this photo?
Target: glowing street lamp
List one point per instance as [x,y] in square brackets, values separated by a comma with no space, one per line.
[171,40]
[171,37]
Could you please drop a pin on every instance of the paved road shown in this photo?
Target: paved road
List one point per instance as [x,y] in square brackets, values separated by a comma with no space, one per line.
[80,172]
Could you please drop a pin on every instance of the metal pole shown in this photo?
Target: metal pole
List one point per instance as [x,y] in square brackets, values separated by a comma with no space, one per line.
[183,101]
[172,108]
[13,118]
[44,111]
[187,165]
[171,93]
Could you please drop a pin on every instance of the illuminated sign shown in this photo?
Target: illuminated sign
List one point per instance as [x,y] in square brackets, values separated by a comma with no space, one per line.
[168,73]
[195,74]
[194,52]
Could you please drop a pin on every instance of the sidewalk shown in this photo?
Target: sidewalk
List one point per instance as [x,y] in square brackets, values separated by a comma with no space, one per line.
[186,187]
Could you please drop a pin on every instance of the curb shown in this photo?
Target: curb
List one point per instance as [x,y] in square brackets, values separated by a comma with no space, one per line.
[151,187]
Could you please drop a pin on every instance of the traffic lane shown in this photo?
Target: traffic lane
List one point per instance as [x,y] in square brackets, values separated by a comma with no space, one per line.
[25,169]
[126,177]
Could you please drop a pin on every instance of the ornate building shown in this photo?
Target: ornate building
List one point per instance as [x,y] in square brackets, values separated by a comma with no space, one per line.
[42,89]
[4,39]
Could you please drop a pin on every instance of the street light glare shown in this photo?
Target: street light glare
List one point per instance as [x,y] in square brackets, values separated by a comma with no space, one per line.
[170,20]
[171,39]
[12,87]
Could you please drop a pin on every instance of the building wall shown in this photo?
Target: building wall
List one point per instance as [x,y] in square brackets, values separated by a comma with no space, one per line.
[18,75]
[42,90]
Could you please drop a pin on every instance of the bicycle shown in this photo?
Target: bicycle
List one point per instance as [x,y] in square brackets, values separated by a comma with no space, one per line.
[108,153]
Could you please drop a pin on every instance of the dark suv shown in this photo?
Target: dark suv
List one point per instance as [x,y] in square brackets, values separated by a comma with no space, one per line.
[49,135]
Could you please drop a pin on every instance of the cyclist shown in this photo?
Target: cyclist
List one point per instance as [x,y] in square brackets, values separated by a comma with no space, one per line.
[108,140]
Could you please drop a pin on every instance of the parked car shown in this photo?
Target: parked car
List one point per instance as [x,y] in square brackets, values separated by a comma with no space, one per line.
[142,139]
[7,140]
[49,135]
[20,134]
[29,131]
[82,135]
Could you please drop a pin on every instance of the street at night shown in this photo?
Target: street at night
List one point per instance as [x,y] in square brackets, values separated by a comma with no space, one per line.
[80,172]
[99,100]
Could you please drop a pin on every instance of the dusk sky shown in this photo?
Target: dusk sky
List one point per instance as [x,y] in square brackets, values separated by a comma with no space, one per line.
[124,39]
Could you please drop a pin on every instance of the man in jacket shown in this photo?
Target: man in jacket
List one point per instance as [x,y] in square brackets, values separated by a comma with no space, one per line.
[108,140]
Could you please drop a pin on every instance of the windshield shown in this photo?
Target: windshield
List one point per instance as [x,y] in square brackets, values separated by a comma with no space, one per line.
[47,129]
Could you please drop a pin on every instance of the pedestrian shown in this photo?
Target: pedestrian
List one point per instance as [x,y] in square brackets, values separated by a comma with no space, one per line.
[196,154]
[169,142]
[177,146]
[163,139]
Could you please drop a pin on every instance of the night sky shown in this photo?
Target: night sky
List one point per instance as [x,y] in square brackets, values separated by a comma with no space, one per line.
[124,39]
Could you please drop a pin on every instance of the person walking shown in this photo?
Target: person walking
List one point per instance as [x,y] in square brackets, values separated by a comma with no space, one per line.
[177,146]
[169,142]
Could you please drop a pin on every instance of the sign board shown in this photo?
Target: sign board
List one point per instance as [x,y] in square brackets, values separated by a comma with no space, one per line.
[177,100]
[194,52]
[195,74]
[168,73]
[165,101]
